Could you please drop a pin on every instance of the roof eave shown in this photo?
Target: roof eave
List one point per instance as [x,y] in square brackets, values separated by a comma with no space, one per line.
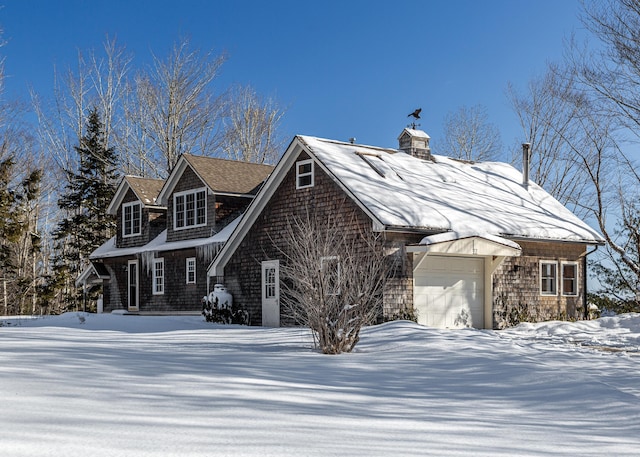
[553,240]
[418,230]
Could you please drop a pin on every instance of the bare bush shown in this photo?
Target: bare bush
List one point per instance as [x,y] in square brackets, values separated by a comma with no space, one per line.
[332,281]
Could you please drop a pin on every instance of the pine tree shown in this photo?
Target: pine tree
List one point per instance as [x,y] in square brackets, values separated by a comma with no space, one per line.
[8,229]
[87,195]
[19,240]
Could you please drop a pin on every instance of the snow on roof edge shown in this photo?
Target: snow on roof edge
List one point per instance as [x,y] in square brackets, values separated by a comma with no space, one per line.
[453,236]
[160,243]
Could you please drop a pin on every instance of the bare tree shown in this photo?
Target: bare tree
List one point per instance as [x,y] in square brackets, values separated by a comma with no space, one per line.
[175,106]
[612,72]
[469,135]
[98,80]
[583,118]
[332,281]
[251,127]
[551,113]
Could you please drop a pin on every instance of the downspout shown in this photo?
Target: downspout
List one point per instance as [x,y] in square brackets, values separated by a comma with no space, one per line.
[584,282]
[208,285]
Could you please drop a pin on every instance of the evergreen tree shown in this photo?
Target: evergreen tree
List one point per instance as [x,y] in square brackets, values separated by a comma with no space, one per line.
[19,240]
[619,283]
[87,195]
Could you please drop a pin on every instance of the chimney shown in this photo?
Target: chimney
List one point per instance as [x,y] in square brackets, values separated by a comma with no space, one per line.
[415,143]
[526,161]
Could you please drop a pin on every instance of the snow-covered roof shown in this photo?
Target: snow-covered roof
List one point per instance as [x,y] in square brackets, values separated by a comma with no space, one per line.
[415,132]
[160,244]
[487,198]
[400,192]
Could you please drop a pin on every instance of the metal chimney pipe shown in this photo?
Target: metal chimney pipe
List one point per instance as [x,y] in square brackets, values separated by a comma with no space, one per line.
[526,160]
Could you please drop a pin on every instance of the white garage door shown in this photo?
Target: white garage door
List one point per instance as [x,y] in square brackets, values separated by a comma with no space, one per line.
[449,292]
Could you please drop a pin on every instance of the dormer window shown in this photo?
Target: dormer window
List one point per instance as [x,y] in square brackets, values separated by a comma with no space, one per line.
[304,174]
[189,209]
[131,219]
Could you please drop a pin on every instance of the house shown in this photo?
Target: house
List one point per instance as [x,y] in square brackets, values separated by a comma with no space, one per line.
[168,232]
[476,244]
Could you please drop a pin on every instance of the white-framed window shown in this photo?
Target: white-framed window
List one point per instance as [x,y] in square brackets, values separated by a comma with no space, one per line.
[131,219]
[304,174]
[189,209]
[548,277]
[569,278]
[158,276]
[330,268]
[191,270]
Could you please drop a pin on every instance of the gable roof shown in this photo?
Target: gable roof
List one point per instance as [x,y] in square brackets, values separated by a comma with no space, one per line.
[221,176]
[414,132]
[400,192]
[146,189]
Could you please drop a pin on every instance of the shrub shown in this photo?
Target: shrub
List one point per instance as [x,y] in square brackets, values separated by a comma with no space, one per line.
[222,313]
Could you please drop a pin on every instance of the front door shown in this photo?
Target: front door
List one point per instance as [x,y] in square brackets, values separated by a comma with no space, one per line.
[133,295]
[271,293]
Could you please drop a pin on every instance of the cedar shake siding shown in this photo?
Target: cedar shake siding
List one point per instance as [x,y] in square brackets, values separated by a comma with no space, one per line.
[151,220]
[243,271]
[398,291]
[221,209]
[229,187]
[516,285]
[190,181]
[178,296]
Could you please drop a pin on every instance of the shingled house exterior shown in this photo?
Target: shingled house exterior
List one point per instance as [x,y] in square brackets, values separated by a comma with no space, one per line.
[474,243]
[169,231]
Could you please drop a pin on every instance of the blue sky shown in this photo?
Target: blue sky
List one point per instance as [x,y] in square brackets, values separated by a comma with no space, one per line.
[343,68]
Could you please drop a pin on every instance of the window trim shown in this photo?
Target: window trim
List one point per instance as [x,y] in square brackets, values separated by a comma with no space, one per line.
[335,258]
[154,283]
[191,260]
[555,278]
[299,175]
[575,278]
[137,203]
[184,193]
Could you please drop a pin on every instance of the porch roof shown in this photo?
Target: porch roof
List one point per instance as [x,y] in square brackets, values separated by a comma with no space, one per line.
[467,244]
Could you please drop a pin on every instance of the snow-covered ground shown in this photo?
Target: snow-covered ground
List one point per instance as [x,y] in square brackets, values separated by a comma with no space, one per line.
[117,385]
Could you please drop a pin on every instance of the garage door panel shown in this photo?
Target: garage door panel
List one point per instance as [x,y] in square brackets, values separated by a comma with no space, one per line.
[449,292]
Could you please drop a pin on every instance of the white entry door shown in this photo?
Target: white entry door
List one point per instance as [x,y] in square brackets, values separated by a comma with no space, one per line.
[449,292]
[133,292]
[271,293]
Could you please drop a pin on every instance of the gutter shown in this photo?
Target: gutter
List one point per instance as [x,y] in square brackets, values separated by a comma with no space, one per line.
[425,231]
[551,240]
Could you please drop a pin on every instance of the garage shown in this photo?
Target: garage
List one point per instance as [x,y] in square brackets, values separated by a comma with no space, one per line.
[449,291]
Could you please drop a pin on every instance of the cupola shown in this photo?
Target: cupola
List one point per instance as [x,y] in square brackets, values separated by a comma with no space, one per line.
[416,143]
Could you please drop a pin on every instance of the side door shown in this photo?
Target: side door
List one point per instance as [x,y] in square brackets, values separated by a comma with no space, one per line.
[133,289]
[271,293]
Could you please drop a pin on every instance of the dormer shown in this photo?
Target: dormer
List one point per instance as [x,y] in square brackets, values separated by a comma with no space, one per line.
[139,217]
[203,194]
[416,143]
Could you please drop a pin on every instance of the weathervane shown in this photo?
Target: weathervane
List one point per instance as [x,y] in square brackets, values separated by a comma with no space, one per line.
[416,116]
